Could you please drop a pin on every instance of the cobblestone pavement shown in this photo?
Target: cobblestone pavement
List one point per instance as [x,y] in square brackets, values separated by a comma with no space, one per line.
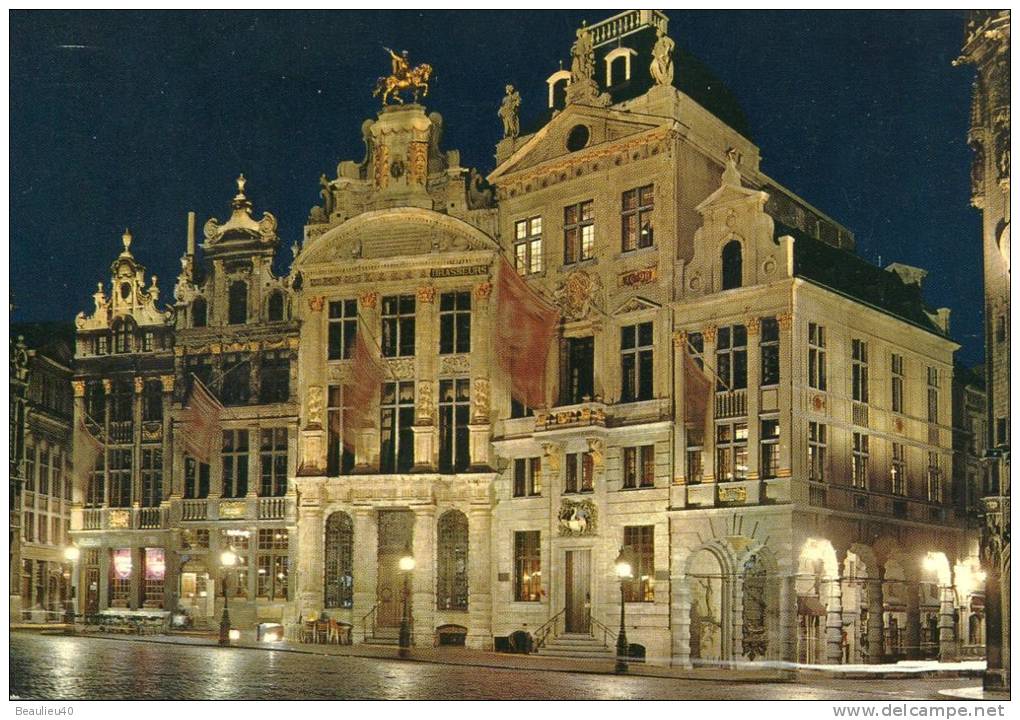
[55,667]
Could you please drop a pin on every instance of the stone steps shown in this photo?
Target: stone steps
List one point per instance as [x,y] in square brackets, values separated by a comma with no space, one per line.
[578,646]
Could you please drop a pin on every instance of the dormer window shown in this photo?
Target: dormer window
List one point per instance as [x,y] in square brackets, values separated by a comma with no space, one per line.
[557,83]
[125,290]
[618,65]
[238,303]
[122,336]
[274,308]
[199,312]
[732,265]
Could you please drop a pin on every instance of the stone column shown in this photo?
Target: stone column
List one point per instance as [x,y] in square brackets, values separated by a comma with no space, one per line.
[105,420]
[834,623]
[480,562]
[708,471]
[170,470]
[678,473]
[876,609]
[426,369]
[424,430]
[312,378]
[480,429]
[912,633]
[786,366]
[788,618]
[366,562]
[311,558]
[948,651]
[366,446]
[423,581]
[254,463]
[79,489]
[753,396]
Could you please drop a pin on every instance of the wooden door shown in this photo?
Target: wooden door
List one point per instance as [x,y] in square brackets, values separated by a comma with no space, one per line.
[389,590]
[92,591]
[578,591]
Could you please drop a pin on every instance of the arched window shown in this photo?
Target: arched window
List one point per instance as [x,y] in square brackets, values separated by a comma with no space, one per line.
[338,590]
[755,630]
[237,313]
[275,306]
[559,95]
[452,573]
[732,265]
[619,71]
[122,335]
[199,313]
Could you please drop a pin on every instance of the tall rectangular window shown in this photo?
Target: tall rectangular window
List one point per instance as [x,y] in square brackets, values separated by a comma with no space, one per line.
[731,358]
[578,232]
[528,566]
[236,379]
[343,328]
[44,471]
[694,462]
[859,370]
[639,466]
[528,245]
[769,441]
[152,477]
[769,351]
[934,478]
[641,541]
[527,477]
[636,349]
[235,463]
[933,394]
[579,384]
[638,230]
[731,451]
[396,419]
[454,415]
[398,326]
[455,322]
[898,473]
[273,462]
[339,451]
[30,467]
[897,383]
[240,542]
[859,469]
[816,451]
[816,357]
[95,489]
[152,401]
[274,383]
[580,473]
[273,563]
[120,477]
[196,479]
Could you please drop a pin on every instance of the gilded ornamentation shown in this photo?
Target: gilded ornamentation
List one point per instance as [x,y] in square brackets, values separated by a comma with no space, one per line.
[233,509]
[418,161]
[315,405]
[425,408]
[403,77]
[577,293]
[368,300]
[454,364]
[577,517]
[642,276]
[480,392]
[316,303]
[785,321]
[168,383]
[753,325]
[427,294]
[139,385]
[382,166]
[79,388]
[551,457]
[402,368]
[680,339]
[597,450]
[107,385]
[709,333]
[483,291]
[732,494]
[119,519]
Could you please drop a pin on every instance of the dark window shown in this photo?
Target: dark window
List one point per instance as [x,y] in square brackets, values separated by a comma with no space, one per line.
[559,95]
[274,308]
[527,476]
[519,409]
[236,379]
[120,478]
[95,490]
[731,452]
[769,459]
[237,308]
[859,370]
[123,332]
[769,351]
[528,245]
[44,471]
[454,322]
[933,395]
[95,401]
[695,450]
[343,328]
[197,366]
[898,473]
[273,462]
[578,232]
[732,265]
[454,410]
[816,356]
[731,358]
[859,467]
[580,370]
[339,571]
[578,138]
[274,382]
[152,401]
[102,345]
[396,419]
[398,326]
[580,473]
[816,451]
[638,231]
[235,463]
[528,566]
[148,341]
[152,477]
[636,343]
[1000,328]
[196,478]
[618,71]
[199,313]
[1002,431]
[641,541]
[340,446]
[639,466]
[897,383]
[452,570]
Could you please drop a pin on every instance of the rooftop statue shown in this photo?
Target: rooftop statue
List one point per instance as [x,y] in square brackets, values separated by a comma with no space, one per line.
[508,112]
[403,77]
[582,63]
[662,59]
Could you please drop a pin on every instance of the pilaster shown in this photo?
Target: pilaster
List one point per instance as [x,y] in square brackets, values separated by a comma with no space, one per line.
[479,577]
[423,585]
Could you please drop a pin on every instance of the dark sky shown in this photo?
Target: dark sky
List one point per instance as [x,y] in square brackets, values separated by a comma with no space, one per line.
[131,119]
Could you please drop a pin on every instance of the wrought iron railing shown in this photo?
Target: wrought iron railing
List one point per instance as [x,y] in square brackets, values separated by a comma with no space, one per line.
[547,628]
[608,636]
[368,622]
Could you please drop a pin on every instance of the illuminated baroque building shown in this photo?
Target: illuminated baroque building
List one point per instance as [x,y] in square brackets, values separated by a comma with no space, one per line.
[986,47]
[812,516]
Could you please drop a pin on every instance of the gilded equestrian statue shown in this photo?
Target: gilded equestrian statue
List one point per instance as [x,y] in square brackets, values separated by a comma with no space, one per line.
[403,77]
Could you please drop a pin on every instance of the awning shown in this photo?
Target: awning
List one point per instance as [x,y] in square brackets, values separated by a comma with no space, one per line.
[809,606]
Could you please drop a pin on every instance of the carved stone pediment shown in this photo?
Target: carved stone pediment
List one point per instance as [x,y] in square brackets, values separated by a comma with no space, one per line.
[578,293]
[636,304]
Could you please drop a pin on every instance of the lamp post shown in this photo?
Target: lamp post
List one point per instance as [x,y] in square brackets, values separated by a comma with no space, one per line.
[71,554]
[407,567]
[624,571]
[228,558]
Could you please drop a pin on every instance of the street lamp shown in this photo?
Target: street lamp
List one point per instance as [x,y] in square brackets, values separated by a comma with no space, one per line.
[228,558]
[406,567]
[624,571]
[71,554]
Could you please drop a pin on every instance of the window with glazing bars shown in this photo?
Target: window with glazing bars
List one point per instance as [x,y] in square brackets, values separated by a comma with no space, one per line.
[454,415]
[44,471]
[273,462]
[769,345]
[235,463]
[527,566]
[933,395]
[396,419]
[339,570]
[898,473]
[343,328]
[196,479]
[731,358]
[816,357]
[859,370]
[152,401]
[120,477]
[769,441]
[274,380]
[816,451]
[95,488]
[641,541]
[897,383]
[578,232]
[528,245]
[859,469]
[638,230]
[455,322]
[236,379]
[580,473]
[527,476]
[398,326]
[636,361]
[273,563]
[934,478]
[452,567]
[731,452]
[694,463]
[152,477]
[339,450]
[639,466]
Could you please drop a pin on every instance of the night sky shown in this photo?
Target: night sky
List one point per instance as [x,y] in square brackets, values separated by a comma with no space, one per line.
[132,119]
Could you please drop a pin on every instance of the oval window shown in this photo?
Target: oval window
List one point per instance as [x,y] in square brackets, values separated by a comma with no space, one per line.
[125,290]
[578,138]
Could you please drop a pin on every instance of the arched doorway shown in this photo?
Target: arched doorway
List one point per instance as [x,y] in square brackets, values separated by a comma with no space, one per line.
[707,632]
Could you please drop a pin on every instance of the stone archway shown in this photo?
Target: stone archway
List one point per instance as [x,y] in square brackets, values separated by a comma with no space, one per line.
[863,607]
[709,590]
[758,613]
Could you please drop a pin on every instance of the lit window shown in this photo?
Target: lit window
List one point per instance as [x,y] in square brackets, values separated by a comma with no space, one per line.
[578,232]
[528,245]
[638,230]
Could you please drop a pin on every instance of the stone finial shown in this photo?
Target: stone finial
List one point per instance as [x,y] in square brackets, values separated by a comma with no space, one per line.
[126,239]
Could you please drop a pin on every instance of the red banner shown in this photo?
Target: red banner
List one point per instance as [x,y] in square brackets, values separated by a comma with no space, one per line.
[367,373]
[697,393]
[201,423]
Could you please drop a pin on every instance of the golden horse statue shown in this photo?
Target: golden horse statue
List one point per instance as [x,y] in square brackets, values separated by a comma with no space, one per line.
[416,80]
